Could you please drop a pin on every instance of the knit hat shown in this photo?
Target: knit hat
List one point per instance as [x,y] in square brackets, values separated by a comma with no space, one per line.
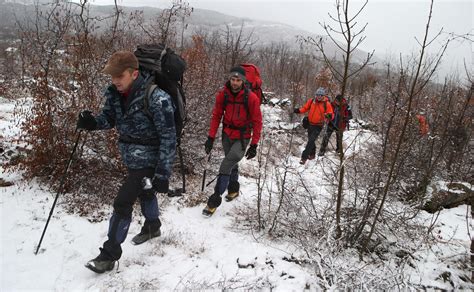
[119,62]
[238,72]
[320,91]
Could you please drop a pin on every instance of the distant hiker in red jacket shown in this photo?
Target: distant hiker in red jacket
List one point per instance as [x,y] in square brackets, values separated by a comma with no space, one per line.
[342,115]
[423,123]
[239,109]
[320,112]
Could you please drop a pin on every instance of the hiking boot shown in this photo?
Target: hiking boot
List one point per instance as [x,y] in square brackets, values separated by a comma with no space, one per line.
[145,234]
[208,211]
[311,156]
[303,161]
[230,196]
[102,263]
[232,190]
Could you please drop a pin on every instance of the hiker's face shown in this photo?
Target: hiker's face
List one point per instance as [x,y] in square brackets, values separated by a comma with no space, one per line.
[236,83]
[124,81]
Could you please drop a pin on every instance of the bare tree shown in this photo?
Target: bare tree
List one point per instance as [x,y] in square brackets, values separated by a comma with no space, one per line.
[164,27]
[353,37]
[235,46]
[415,84]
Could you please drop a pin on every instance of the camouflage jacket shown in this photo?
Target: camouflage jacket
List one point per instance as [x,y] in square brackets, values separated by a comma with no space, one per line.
[145,141]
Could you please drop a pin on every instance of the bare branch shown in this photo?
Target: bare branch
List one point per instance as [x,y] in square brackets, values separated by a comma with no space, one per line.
[358,12]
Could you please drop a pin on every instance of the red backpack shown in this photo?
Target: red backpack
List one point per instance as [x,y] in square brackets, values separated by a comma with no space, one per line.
[254,82]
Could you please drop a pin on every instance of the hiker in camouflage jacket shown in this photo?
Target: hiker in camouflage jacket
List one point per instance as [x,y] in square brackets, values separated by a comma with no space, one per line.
[147,145]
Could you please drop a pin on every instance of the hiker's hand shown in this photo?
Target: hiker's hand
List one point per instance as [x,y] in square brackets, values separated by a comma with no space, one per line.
[251,152]
[296,110]
[208,145]
[86,121]
[160,185]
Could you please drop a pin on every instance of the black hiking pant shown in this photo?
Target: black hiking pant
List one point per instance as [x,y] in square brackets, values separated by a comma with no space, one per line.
[313,133]
[326,138]
[127,195]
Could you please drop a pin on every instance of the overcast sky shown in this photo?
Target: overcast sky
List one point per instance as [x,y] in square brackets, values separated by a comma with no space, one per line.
[392,24]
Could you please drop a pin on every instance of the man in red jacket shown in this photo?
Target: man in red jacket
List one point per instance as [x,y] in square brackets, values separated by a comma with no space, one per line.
[239,109]
[342,115]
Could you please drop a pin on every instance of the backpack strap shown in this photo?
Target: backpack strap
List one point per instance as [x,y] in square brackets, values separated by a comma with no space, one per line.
[146,100]
[146,104]
[226,101]
[246,106]
[245,102]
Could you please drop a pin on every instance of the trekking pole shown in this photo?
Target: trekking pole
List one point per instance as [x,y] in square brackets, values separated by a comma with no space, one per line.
[325,129]
[60,188]
[205,171]
[322,134]
[179,191]
[212,180]
[182,167]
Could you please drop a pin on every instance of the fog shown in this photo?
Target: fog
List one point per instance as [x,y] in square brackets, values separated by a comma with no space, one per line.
[393,26]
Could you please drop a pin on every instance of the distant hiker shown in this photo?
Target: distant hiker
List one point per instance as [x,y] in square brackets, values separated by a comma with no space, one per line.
[342,115]
[239,109]
[423,124]
[147,147]
[320,112]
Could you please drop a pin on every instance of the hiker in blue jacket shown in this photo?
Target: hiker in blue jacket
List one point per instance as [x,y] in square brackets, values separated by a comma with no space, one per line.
[147,145]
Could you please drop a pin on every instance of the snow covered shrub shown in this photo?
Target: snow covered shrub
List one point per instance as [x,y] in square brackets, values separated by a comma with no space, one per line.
[436,135]
[62,60]
[202,83]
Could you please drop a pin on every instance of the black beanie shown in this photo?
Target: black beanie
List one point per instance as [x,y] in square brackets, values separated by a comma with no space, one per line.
[238,72]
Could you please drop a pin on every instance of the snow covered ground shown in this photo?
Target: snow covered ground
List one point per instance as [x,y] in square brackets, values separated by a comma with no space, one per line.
[193,252]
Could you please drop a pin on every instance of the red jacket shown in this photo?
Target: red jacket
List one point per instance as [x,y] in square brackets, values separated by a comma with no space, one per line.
[235,115]
[341,113]
[424,127]
[317,110]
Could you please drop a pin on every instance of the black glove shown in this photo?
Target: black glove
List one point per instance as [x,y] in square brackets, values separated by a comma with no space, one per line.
[161,185]
[86,121]
[150,187]
[296,110]
[251,152]
[208,145]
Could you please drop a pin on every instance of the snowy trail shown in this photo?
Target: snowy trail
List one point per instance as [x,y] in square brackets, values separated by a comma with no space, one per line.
[192,252]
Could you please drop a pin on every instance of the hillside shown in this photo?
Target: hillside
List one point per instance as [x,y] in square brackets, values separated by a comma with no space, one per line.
[221,252]
[264,32]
